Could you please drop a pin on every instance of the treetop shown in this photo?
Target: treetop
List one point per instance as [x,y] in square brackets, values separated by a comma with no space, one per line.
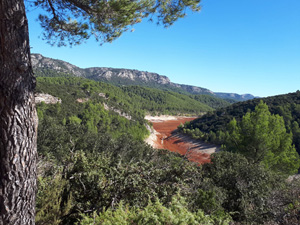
[70,22]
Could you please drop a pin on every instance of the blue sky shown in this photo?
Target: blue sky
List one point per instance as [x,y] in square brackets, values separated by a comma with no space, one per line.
[240,46]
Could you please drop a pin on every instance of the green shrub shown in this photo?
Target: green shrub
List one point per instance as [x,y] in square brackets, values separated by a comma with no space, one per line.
[176,213]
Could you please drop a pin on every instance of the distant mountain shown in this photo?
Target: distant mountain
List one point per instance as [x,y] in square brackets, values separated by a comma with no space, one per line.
[237,97]
[44,66]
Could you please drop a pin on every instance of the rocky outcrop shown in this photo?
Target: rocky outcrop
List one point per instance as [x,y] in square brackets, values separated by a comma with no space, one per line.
[82,100]
[106,107]
[46,98]
[99,73]
[39,61]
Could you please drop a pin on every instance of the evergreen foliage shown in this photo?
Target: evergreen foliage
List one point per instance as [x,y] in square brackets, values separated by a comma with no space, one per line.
[213,126]
[73,21]
[133,100]
[243,187]
[155,213]
[95,168]
[212,101]
[165,102]
[262,137]
[143,90]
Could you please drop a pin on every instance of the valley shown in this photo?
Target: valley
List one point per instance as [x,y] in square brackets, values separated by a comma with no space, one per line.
[165,136]
[165,127]
[93,157]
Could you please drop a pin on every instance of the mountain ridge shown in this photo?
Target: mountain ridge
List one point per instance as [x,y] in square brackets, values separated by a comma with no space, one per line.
[120,76]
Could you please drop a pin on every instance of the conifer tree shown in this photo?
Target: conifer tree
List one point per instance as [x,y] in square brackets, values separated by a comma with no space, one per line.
[262,137]
[64,22]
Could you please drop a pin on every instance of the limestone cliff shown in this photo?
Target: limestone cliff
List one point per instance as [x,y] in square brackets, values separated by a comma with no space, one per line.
[44,66]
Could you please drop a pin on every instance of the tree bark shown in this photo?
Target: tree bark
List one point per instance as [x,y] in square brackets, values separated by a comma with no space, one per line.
[18,119]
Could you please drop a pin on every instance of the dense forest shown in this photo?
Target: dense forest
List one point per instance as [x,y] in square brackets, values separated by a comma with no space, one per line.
[94,167]
[146,89]
[213,125]
[134,99]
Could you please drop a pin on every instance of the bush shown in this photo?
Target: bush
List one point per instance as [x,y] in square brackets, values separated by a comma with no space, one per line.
[154,213]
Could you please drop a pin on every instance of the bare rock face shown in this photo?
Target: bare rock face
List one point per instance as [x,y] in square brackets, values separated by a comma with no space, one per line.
[82,100]
[126,74]
[106,107]
[39,61]
[48,99]
[107,74]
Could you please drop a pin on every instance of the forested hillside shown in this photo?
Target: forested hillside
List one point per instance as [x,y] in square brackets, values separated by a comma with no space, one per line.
[168,102]
[212,101]
[134,100]
[212,126]
[94,167]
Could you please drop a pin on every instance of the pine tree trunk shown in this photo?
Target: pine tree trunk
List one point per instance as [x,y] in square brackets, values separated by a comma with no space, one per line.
[18,119]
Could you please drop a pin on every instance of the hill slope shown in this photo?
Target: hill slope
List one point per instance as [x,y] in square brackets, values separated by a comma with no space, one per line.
[133,100]
[287,106]
[94,165]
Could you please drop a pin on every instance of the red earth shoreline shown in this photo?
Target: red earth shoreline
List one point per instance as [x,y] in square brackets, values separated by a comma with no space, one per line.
[168,138]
